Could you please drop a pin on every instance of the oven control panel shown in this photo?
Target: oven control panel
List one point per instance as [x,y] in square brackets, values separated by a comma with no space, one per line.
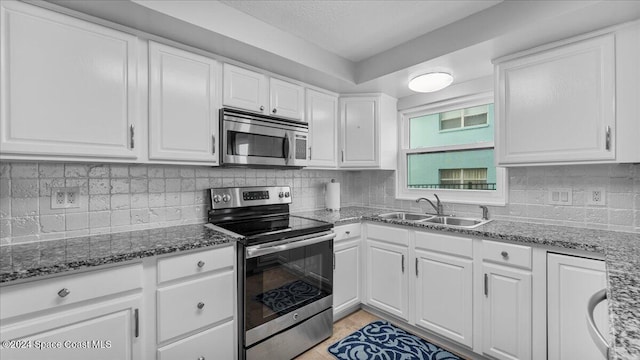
[223,198]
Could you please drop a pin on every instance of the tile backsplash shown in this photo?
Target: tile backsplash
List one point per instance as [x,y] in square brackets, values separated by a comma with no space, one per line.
[528,198]
[120,197]
[116,197]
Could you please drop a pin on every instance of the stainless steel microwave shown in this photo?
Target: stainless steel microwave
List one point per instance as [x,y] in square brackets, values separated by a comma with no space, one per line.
[253,139]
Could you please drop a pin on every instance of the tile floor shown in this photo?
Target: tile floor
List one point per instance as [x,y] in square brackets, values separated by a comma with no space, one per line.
[342,328]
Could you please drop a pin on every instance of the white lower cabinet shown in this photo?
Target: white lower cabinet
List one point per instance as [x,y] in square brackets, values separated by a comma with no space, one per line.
[387,272]
[195,305]
[571,281]
[506,312]
[346,266]
[92,315]
[444,286]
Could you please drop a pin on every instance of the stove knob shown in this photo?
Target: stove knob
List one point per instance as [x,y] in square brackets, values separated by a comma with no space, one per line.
[216,198]
[281,194]
[226,197]
[287,194]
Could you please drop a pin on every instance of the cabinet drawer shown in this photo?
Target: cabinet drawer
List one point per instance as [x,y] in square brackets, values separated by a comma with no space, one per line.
[180,266]
[447,244]
[216,343]
[388,234]
[507,254]
[48,294]
[347,232]
[194,304]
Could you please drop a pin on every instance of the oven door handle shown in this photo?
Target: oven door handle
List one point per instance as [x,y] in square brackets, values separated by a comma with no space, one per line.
[260,250]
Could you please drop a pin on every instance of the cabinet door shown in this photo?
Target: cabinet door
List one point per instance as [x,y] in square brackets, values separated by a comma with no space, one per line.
[68,86]
[183,122]
[214,343]
[346,275]
[322,110]
[286,99]
[387,278]
[106,331]
[557,105]
[444,301]
[507,313]
[571,281]
[245,89]
[358,132]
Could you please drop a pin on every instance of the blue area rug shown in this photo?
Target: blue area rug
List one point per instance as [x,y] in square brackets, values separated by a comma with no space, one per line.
[382,341]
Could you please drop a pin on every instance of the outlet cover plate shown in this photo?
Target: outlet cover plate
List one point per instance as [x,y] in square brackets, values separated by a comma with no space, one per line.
[65,197]
[596,196]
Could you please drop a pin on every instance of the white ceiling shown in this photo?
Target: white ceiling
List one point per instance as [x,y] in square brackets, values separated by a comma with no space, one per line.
[357,30]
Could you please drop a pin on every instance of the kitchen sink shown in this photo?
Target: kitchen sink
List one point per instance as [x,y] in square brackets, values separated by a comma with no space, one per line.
[468,223]
[399,215]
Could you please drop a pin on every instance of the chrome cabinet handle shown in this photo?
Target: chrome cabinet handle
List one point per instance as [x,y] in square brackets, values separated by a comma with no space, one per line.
[261,108]
[486,285]
[607,138]
[131,133]
[200,263]
[200,305]
[416,267]
[403,263]
[136,318]
[201,358]
[347,232]
[342,155]
[64,292]
[274,110]
[597,337]
[505,255]
[213,144]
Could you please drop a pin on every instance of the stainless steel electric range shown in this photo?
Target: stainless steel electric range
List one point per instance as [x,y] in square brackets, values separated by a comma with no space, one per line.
[285,271]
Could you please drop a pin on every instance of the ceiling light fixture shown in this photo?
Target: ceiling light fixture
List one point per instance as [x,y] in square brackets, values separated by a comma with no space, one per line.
[430,82]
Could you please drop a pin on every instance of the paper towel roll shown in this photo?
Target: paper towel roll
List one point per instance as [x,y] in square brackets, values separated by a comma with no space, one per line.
[332,196]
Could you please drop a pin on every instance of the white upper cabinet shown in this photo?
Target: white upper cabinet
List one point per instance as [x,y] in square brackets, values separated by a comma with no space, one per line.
[253,91]
[183,105]
[69,87]
[368,131]
[322,115]
[570,102]
[286,99]
[245,89]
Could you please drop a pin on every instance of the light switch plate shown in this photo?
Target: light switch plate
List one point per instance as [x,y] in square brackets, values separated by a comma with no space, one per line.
[560,196]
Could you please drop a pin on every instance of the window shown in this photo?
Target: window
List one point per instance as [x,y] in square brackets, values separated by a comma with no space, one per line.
[447,149]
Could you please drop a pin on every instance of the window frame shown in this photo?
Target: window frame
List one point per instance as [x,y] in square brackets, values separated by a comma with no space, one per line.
[496,197]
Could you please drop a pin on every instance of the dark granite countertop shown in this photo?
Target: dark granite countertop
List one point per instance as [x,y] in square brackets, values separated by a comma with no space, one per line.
[621,252]
[31,260]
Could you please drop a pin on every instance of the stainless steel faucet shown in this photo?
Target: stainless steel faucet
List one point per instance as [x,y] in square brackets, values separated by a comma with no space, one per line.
[485,212]
[437,206]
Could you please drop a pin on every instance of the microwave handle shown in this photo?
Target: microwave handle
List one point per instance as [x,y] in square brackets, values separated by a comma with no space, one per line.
[286,146]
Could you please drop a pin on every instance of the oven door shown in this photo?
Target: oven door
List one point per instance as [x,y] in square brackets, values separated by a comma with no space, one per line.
[286,282]
[256,142]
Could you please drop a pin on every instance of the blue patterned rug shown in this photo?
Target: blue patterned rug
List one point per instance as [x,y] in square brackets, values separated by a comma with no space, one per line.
[382,341]
[282,299]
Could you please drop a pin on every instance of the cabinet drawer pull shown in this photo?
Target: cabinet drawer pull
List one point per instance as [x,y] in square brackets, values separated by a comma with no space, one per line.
[261,108]
[200,305]
[607,138]
[64,292]
[347,232]
[201,358]
[505,255]
[200,263]
[131,135]
[274,110]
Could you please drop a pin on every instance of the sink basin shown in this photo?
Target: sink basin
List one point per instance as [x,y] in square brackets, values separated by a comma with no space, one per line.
[405,216]
[468,223]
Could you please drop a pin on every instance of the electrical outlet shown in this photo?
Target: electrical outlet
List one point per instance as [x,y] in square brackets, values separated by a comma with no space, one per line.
[64,198]
[596,196]
[560,196]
